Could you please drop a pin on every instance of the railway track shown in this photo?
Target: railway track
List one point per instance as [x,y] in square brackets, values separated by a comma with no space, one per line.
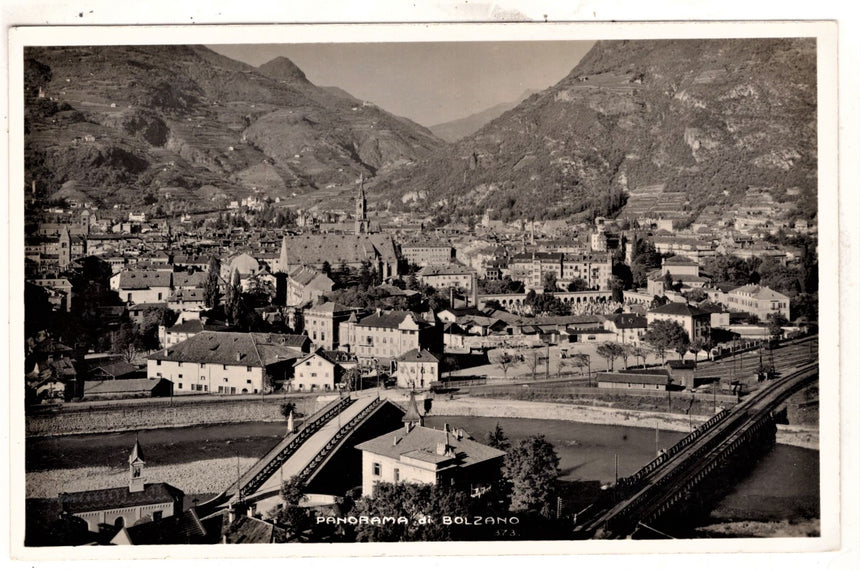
[660,489]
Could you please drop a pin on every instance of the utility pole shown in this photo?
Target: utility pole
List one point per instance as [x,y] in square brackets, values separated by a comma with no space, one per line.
[547,361]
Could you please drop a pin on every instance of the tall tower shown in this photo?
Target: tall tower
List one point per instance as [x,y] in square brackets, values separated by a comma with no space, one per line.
[65,257]
[361,224]
[136,482]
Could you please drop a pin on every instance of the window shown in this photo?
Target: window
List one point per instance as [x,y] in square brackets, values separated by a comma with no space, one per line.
[249,368]
[396,475]
[313,374]
[232,390]
[225,368]
[180,385]
[158,363]
[225,379]
[248,381]
[377,469]
[180,375]
[203,378]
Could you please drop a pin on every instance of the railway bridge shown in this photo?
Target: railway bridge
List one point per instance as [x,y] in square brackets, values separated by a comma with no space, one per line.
[671,481]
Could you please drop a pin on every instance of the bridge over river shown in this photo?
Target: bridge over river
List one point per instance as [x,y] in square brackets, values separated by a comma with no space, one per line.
[674,478]
[314,449]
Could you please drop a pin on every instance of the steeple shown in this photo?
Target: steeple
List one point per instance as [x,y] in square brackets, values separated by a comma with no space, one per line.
[361,224]
[283,260]
[136,462]
[413,417]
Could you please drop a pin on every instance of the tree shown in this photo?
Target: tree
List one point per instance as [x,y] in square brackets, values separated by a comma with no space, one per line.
[497,439]
[352,379]
[531,467]
[775,322]
[617,286]
[549,282]
[532,361]
[667,281]
[610,351]
[326,268]
[294,518]
[125,341]
[211,292]
[626,353]
[640,352]
[288,408]
[414,503]
[580,360]
[663,335]
[577,284]
[233,298]
[504,359]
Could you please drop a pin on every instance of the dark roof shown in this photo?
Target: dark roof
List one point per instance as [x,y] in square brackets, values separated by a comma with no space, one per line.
[682,309]
[136,279]
[233,348]
[388,320]
[422,443]
[416,355]
[116,497]
[629,321]
[248,530]
[625,377]
[116,369]
[679,260]
[184,528]
[121,386]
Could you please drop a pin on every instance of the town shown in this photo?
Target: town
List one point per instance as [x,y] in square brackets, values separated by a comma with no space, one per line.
[343,366]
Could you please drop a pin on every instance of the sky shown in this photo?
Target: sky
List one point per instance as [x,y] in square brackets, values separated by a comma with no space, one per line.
[430,83]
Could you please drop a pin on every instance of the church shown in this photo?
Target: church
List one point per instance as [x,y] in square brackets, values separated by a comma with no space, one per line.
[364,246]
[125,506]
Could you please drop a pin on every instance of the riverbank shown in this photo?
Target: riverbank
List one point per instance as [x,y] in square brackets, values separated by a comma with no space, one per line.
[194,478]
[128,418]
[799,436]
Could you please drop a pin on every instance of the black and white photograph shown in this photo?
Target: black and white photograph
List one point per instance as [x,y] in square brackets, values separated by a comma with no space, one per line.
[346,288]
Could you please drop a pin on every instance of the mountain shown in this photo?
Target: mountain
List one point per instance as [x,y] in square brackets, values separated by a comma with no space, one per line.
[123,123]
[695,123]
[452,131]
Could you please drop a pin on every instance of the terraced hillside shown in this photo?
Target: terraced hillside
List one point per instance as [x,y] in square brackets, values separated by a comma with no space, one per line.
[125,122]
[702,119]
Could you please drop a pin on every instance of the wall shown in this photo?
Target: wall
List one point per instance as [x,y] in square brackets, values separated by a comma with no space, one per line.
[151,414]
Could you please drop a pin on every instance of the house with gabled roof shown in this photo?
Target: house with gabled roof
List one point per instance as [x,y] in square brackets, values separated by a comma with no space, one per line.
[228,362]
[385,335]
[695,321]
[418,454]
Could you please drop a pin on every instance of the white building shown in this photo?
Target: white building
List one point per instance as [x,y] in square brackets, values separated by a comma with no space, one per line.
[226,362]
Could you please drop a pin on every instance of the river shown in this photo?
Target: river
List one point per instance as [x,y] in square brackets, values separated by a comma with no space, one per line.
[783,484]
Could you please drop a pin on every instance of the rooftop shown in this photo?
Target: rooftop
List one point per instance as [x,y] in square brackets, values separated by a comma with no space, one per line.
[117,497]
[422,443]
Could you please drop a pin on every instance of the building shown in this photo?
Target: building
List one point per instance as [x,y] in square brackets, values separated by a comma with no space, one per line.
[351,251]
[418,454]
[629,328]
[121,507]
[423,254]
[651,380]
[316,372]
[756,300]
[417,369]
[449,275]
[387,335]
[593,268]
[307,285]
[322,323]
[142,286]
[695,321]
[228,362]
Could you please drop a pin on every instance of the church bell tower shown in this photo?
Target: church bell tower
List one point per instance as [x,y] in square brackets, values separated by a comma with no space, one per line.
[361,223]
[136,482]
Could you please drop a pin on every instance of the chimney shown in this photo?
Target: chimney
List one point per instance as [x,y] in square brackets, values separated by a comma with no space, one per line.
[238,356]
[378,312]
[447,428]
[397,438]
